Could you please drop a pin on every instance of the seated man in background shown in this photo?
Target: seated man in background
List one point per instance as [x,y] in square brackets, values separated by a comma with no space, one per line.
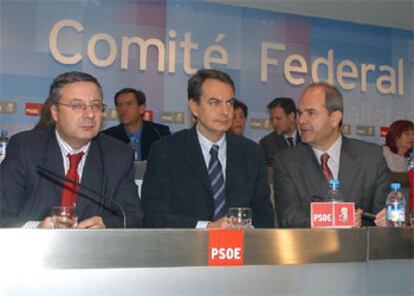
[195,175]
[239,118]
[302,173]
[37,161]
[282,113]
[139,134]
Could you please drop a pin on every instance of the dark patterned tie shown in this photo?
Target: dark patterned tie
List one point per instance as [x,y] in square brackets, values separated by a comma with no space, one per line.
[290,140]
[325,168]
[215,173]
[70,191]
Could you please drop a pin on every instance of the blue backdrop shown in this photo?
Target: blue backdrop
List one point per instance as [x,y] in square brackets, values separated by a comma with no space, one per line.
[155,46]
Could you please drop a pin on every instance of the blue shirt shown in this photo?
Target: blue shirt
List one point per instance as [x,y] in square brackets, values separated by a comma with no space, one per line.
[135,141]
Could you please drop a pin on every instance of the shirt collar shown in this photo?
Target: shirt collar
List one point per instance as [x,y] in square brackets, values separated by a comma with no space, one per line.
[67,149]
[136,134]
[206,143]
[334,151]
[293,136]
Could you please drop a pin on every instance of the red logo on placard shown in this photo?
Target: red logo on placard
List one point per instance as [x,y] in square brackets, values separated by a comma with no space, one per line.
[344,214]
[33,109]
[333,215]
[321,214]
[148,115]
[225,247]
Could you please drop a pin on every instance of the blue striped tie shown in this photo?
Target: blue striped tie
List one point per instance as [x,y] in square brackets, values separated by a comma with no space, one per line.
[215,173]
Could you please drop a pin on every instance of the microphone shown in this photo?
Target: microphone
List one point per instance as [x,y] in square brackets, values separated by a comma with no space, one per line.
[368,216]
[56,177]
[317,198]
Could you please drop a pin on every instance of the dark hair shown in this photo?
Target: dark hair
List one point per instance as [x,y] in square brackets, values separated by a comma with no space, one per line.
[139,95]
[394,133]
[287,104]
[334,101]
[55,90]
[45,115]
[195,83]
[239,104]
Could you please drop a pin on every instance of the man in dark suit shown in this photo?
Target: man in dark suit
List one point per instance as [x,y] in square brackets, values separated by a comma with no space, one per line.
[282,114]
[301,174]
[133,130]
[195,175]
[30,182]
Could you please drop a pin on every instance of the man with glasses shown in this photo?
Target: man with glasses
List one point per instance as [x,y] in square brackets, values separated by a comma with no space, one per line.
[33,172]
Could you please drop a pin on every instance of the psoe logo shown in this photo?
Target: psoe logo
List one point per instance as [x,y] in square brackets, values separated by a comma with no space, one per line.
[33,109]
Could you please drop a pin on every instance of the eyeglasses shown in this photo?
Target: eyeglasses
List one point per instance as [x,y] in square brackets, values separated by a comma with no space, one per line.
[79,107]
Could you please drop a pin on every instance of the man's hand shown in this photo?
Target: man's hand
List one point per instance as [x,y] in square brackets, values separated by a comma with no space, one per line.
[221,223]
[94,222]
[46,223]
[358,218]
[381,218]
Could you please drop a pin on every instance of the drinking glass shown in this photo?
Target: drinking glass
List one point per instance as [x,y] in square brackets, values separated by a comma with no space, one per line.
[239,218]
[64,217]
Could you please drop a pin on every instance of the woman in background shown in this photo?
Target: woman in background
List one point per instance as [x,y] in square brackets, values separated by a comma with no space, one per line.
[239,117]
[399,143]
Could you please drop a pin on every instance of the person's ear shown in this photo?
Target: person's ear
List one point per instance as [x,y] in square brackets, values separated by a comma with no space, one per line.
[193,105]
[336,118]
[54,112]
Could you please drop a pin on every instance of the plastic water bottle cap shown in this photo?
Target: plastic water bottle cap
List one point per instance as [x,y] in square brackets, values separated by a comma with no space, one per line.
[334,184]
[395,186]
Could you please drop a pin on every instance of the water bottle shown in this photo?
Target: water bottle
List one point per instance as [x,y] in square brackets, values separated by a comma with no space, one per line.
[410,169]
[3,144]
[334,195]
[395,206]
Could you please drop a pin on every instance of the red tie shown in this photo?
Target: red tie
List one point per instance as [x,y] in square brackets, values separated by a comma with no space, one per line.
[70,191]
[325,168]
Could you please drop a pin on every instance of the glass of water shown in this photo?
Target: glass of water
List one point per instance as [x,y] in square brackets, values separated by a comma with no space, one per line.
[239,218]
[64,217]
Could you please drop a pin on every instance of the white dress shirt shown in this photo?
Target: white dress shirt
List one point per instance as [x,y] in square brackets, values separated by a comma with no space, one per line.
[206,145]
[334,153]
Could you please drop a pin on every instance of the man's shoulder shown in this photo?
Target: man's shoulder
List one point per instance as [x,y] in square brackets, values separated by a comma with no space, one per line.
[109,143]
[268,138]
[294,154]
[32,136]
[361,146]
[177,139]
[163,129]
[113,129]
[241,142]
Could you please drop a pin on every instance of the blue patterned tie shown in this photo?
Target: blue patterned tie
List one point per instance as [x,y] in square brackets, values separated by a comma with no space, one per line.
[215,173]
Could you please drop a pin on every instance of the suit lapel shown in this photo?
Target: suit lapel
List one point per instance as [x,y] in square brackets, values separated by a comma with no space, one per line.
[53,161]
[91,176]
[195,159]
[348,166]
[312,173]
[281,142]
[232,160]
[147,138]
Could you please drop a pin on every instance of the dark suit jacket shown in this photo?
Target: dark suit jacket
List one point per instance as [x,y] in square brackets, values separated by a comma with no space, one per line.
[151,132]
[363,175]
[177,192]
[27,194]
[273,144]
